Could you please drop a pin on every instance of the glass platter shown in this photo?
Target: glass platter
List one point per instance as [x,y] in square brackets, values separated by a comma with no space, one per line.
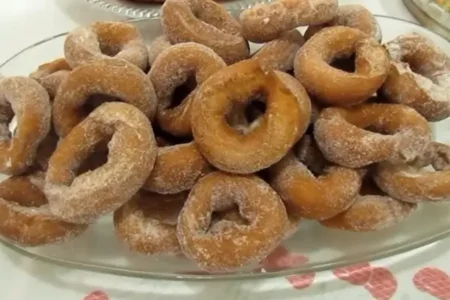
[152,10]
[98,250]
[430,15]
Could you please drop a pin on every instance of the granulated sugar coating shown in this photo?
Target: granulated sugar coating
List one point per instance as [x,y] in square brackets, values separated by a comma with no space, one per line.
[100,40]
[51,74]
[420,76]
[132,154]
[266,22]
[231,245]
[29,102]
[157,46]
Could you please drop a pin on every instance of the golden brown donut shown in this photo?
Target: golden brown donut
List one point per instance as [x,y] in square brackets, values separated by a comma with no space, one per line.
[25,218]
[132,154]
[437,155]
[333,86]
[179,66]
[51,74]
[369,133]
[268,21]
[157,46]
[413,184]
[351,15]
[111,77]
[419,76]
[207,23]
[231,245]
[148,223]
[279,54]
[101,40]
[318,198]
[371,211]
[287,115]
[29,102]
[177,169]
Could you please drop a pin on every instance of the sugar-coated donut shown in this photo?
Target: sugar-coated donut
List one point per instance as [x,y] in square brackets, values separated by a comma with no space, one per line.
[344,134]
[351,15]
[25,218]
[207,23]
[110,77]
[157,46]
[101,40]
[148,223]
[268,21]
[312,66]
[413,184]
[317,198]
[231,245]
[26,99]
[176,169]
[371,211]
[51,74]
[307,152]
[419,76]
[279,54]
[174,67]
[132,153]
[287,115]
[437,155]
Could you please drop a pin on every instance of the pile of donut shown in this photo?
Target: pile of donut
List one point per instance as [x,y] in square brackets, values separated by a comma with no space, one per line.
[200,147]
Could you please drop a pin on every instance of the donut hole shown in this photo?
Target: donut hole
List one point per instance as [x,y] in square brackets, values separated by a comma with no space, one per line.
[182,91]
[109,50]
[96,100]
[345,63]
[8,121]
[243,119]
[224,218]
[164,139]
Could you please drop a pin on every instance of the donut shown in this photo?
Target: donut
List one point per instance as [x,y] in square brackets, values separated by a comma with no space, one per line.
[412,184]
[419,76]
[317,198]
[312,66]
[132,153]
[157,46]
[287,115]
[437,155]
[354,16]
[102,40]
[265,22]
[187,66]
[230,245]
[51,74]
[148,223]
[110,77]
[358,136]
[25,218]
[307,152]
[177,169]
[371,211]
[207,23]
[279,54]
[29,102]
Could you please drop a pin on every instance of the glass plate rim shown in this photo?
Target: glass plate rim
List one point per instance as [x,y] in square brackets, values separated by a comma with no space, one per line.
[127,10]
[217,277]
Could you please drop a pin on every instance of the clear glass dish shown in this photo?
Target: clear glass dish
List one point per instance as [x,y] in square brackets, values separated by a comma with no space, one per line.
[152,10]
[430,15]
[98,250]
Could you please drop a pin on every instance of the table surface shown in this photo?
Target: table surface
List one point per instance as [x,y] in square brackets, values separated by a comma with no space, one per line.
[420,274]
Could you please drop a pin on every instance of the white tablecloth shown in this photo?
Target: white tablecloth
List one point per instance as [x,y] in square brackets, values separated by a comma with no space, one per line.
[415,275]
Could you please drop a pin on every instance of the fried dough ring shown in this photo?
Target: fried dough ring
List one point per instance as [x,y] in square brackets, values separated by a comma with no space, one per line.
[132,154]
[51,74]
[231,245]
[26,99]
[101,40]
[207,23]
[343,139]
[333,86]
[25,218]
[286,118]
[111,77]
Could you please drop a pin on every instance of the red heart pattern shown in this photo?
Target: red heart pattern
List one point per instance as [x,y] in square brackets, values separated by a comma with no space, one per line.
[97,295]
[301,281]
[434,282]
[382,284]
[281,258]
[358,274]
